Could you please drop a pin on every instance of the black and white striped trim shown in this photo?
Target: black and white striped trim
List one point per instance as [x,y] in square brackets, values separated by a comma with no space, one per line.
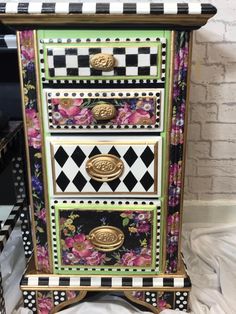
[112,268]
[114,8]
[7,42]
[10,223]
[99,282]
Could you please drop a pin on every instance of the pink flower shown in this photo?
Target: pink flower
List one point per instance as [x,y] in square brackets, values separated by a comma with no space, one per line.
[33,128]
[123,115]
[70,295]
[133,259]
[96,258]
[42,214]
[84,117]
[143,226]
[141,116]
[143,215]
[55,101]
[45,305]
[81,247]
[27,50]
[43,259]
[163,304]
[69,107]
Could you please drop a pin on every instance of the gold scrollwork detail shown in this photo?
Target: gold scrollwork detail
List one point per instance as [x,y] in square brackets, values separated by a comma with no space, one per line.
[104,167]
[104,111]
[106,238]
[102,62]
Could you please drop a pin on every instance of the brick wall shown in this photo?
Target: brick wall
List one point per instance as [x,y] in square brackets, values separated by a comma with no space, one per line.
[211,153]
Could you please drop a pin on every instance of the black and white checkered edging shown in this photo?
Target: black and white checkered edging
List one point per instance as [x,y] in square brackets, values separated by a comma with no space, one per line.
[7,42]
[86,71]
[96,281]
[10,223]
[103,95]
[105,269]
[105,8]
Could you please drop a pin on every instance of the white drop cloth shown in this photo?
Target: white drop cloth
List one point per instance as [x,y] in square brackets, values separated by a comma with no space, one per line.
[210,254]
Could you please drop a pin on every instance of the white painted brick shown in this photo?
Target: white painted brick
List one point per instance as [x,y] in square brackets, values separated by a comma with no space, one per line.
[198,149]
[198,184]
[203,113]
[194,131]
[216,168]
[214,196]
[230,72]
[230,34]
[190,167]
[224,184]
[221,149]
[221,93]
[219,131]
[199,52]
[221,53]
[212,32]
[198,93]
[205,74]
[190,196]
[227,112]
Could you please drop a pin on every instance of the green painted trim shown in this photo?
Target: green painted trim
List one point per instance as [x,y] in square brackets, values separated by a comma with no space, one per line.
[151,208]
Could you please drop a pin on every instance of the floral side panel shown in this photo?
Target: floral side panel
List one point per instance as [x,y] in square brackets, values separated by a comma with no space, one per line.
[45,302]
[76,249]
[34,147]
[111,111]
[177,149]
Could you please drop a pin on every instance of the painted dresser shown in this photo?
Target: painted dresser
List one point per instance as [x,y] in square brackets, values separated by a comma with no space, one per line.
[105,96]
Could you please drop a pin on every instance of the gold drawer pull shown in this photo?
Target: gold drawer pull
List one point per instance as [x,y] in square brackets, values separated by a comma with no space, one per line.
[106,238]
[102,62]
[103,112]
[104,167]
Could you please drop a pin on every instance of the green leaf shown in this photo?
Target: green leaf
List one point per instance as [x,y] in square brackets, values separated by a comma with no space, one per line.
[39,229]
[125,222]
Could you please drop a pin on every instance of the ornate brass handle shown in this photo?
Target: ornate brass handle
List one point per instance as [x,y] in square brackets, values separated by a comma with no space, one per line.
[104,111]
[106,238]
[102,62]
[104,167]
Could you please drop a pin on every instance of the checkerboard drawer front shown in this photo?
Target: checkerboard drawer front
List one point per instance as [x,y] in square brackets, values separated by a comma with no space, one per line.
[66,59]
[117,238]
[81,166]
[76,110]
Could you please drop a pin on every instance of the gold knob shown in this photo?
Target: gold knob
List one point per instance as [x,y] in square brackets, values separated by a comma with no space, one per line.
[106,238]
[102,61]
[104,167]
[104,111]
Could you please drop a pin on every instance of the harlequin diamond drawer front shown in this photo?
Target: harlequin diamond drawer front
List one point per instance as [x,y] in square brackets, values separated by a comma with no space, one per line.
[80,57]
[117,238]
[79,109]
[92,166]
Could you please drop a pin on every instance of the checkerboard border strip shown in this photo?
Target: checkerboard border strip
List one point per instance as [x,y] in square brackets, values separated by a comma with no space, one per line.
[89,81]
[158,93]
[54,239]
[106,8]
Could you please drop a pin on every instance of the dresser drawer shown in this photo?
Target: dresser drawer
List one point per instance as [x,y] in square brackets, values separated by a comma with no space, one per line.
[118,238]
[79,109]
[67,56]
[92,166]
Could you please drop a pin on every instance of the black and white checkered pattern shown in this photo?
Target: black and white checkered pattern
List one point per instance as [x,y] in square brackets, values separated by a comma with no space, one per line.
[11,7]
[103,95]
[66,64]
[7,41]
[37,281]
[10,223]
[139,177]
[106,268]
[2,301]
[30,300]
[181,301]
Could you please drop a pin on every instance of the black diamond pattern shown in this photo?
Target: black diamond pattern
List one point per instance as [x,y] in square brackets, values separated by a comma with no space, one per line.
[61,156]
[130,156]
[96,184]
[78,156]
[130,181]
[94,152]
[147,181]
[147,156]
[114,152]
[62,181]
[79,181]
[114,184]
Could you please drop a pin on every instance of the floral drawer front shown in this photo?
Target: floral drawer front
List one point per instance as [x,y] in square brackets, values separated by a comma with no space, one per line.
[103,58]
[75,110]
[78,249]
[92,166]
